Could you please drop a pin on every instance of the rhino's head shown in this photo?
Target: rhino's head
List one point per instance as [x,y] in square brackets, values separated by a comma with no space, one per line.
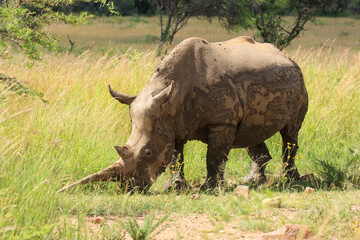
[151,144]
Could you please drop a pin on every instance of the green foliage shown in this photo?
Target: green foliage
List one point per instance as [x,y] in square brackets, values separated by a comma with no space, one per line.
[354,6]
[142,233]
[22,23]
[145,7]
[173,15]
[125,7]
[235,14]
[331,7]
[267,17]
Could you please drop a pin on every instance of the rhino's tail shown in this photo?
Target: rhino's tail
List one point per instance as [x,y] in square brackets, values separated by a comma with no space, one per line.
[113,172]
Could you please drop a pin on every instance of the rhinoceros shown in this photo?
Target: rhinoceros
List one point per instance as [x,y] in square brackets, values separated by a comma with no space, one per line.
[231,94]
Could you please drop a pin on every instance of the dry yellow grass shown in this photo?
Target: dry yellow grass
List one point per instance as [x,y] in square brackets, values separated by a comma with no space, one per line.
[112,33]
[44,146]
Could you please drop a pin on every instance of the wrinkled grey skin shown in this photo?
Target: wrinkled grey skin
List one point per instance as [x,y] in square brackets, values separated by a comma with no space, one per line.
[233,94]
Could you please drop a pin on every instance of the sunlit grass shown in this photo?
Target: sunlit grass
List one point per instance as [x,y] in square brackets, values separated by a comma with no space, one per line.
[46,145]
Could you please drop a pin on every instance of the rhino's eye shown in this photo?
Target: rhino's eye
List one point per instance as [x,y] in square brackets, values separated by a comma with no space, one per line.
[148,152]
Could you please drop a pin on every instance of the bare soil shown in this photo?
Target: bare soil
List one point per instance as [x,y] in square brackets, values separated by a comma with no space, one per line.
[199,226]
[188,227]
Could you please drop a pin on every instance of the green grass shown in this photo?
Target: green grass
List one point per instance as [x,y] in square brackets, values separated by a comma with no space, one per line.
[43,145]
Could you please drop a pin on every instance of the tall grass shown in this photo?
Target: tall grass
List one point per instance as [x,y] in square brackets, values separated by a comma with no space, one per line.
[330,137]
[45,145]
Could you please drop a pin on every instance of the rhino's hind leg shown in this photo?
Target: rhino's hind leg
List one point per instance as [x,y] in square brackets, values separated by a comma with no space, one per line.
[177,179]
[260,156]
[289,136]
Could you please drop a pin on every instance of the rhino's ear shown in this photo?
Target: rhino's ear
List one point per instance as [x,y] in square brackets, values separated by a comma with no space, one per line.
[164,95]
[121,97]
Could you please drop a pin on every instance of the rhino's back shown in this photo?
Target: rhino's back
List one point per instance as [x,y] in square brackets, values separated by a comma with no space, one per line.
[248,84]
[237,56]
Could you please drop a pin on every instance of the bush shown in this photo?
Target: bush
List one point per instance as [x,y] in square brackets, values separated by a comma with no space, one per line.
[125,7]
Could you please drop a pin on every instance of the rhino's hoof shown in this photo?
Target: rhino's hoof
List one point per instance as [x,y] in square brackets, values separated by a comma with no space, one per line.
[213,186]
[177,185]
[208,186]
[254,179]
[292,175]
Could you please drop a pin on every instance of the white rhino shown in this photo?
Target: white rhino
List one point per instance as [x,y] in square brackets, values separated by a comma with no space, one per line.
[232,94]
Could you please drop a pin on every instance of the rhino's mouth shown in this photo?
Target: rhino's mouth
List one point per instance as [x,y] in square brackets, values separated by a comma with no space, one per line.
[134,185]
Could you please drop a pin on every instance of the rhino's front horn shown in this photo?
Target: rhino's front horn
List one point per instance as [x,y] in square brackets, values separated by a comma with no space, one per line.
[121,97]
[123,152]
[115,172]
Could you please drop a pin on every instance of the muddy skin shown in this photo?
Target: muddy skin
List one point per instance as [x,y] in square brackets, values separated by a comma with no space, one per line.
[232,94]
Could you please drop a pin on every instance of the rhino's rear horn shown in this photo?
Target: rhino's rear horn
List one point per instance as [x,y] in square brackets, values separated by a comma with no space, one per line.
[164,95]
[121,97]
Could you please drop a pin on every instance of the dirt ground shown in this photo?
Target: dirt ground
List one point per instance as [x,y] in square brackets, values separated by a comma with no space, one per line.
[205,226]
[200,226]
[189,227]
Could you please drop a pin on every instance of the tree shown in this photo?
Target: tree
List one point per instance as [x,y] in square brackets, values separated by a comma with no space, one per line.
[354,6]
[174,14]
[22,23]
[123,7]
[267,17]
[144,7]
[334,7]
[341,6]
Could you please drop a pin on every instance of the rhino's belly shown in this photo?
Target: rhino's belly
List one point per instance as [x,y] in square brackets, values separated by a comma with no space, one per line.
[253,136]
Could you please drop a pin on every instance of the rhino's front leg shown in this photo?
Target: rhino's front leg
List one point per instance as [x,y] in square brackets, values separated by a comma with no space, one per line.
[177,179]
[260,156]
[220,141]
